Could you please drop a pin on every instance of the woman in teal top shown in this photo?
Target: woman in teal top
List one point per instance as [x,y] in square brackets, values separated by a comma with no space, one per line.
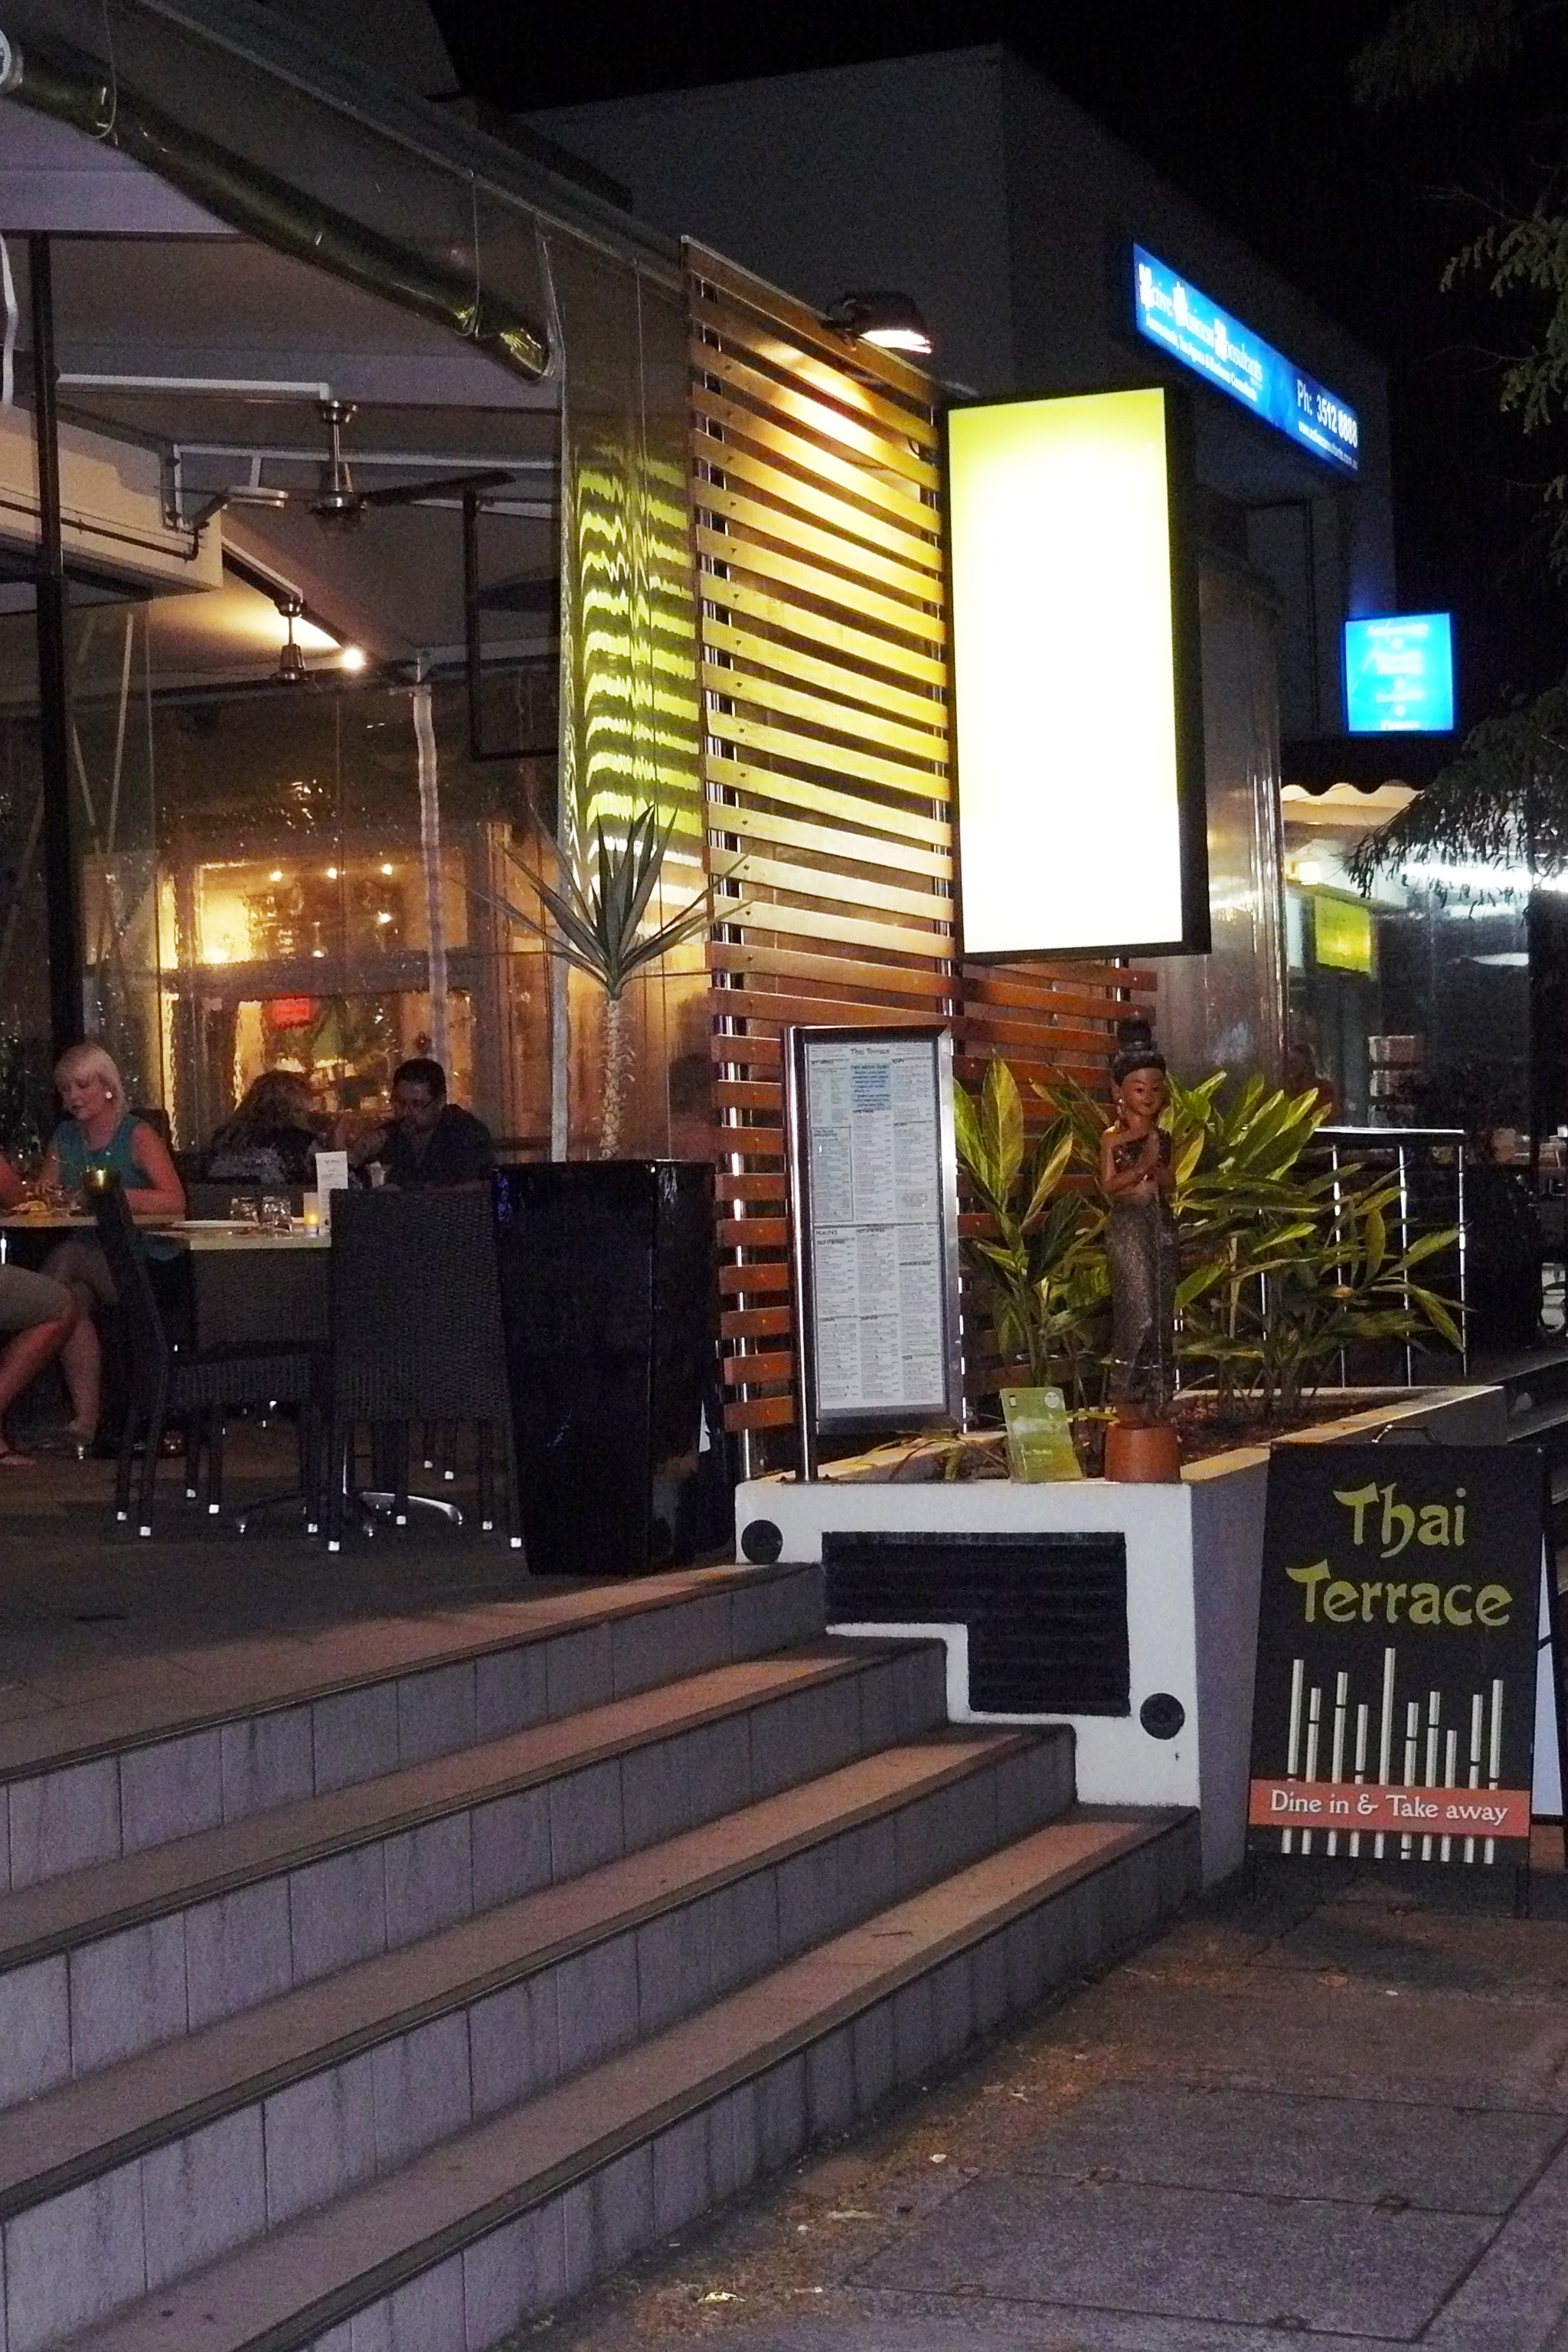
[98,1132]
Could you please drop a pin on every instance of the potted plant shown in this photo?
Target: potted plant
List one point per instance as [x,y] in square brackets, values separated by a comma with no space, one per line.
[607,1266]
[597,919]
[1283,1269]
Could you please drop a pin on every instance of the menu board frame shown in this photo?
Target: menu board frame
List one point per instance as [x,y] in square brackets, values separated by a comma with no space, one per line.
[816,1418]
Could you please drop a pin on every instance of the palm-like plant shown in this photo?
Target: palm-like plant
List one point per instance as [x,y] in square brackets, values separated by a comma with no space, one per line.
[596,924]
[1041,1271]
[1282,1268]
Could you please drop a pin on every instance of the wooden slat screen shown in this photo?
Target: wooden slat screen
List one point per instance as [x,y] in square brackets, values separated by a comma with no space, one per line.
[818,528]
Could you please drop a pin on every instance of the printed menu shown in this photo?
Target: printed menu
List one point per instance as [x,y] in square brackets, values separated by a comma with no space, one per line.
[878,1271]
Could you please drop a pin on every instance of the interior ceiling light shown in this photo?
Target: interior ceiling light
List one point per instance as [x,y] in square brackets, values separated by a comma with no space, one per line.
[890,320]
[353,658]
[292,654]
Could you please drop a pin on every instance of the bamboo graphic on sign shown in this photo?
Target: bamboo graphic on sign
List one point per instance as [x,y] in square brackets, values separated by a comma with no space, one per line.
[1429,1759]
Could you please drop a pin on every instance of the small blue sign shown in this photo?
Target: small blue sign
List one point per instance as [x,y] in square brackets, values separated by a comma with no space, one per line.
[1399,674]
[1170,312]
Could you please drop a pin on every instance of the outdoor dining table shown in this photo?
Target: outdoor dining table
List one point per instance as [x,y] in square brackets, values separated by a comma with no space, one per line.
[247,1286]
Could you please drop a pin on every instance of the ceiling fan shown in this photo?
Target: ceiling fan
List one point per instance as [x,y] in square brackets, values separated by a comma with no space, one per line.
[338,503]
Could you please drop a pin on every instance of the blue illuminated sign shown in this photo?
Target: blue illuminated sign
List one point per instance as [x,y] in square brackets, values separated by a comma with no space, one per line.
[1399,674]
[1197,331]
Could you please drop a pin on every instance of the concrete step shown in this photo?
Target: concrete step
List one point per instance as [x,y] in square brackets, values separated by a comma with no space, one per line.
[235,2132]
[506,2219]
[186,1741]
[138,1952]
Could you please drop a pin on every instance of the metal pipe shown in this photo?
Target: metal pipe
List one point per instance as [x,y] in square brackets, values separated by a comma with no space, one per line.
[73,88]
[61,889]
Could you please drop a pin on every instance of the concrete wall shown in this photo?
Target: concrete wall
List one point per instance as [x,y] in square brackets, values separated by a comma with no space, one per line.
[861,176]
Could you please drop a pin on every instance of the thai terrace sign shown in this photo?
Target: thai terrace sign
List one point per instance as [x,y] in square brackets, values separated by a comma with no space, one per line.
[1394,1712]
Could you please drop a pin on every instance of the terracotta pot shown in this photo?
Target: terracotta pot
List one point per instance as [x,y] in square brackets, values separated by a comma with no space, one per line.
[1146,1454]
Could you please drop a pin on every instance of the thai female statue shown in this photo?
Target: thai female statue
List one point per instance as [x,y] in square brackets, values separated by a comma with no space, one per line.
[1137,1178]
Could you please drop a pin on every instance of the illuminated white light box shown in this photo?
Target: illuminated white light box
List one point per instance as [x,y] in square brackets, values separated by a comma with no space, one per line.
[1080,816]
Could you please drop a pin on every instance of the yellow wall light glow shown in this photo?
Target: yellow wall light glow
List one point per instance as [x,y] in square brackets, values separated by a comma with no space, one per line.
[1077,772]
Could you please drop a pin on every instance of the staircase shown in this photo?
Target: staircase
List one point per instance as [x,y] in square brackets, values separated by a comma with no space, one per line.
[400,2009]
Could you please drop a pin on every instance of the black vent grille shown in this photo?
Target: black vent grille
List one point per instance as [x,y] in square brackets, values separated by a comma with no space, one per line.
[1046,1613]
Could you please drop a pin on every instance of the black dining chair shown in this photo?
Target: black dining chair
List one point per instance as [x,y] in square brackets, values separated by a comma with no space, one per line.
[417,1338]
[169,1377]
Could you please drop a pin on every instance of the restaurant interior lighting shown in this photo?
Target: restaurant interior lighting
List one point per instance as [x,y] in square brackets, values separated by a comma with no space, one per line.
[892,322]
[353,658]
[292,654]
[1079,740]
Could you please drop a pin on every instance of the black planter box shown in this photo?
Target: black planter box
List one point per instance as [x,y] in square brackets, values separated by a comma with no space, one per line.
[609,1292]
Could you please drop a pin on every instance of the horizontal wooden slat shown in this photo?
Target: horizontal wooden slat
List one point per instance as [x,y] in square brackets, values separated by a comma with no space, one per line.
[828,841]
[783,527]
[746,1094]
[746,1370]
[1060,972]
[754,1281]
[722,427]
[840,679]
[754,1323]
[865,811]
[739,552]
[823,421]
[782,1012]
[764,916]
[812,752]
[811,360]
[770,703]
[754,1233]
[766,304]
[850,644]
[873,980]
[757,1052]
[913,538]
[760,1185]
[759,1412]
[755,872]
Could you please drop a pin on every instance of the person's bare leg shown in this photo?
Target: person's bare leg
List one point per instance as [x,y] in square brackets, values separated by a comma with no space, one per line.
[81,1362]
[21,1361]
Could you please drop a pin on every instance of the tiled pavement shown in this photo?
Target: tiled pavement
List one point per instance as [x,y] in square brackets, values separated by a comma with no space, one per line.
[93,1617]
[1308,2116]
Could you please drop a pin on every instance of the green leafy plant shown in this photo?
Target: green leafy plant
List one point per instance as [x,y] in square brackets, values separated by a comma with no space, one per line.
[1041,1269]
[596,924]
[1285,1268]
[1282,1268]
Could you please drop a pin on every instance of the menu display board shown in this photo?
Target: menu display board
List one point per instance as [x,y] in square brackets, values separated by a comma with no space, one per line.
[875,1214]
[1398,1707]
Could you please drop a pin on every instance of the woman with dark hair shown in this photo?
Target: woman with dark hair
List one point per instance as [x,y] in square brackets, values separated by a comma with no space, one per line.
[270,1138]
[1138,1179]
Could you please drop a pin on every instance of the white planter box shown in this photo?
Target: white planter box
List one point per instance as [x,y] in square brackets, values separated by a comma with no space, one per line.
[1194,1554]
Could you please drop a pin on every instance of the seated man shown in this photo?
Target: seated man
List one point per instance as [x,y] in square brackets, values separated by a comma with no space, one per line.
[36,1318]
[431,1140]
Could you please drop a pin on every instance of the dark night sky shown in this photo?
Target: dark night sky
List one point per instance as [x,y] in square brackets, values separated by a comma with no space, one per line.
[1247,105]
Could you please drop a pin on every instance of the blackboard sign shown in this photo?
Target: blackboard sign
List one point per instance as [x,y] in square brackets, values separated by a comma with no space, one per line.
[1395,1707]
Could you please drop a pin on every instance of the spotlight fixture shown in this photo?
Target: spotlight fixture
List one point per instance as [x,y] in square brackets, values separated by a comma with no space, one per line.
[292,654]
[351,657]
[892,322]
